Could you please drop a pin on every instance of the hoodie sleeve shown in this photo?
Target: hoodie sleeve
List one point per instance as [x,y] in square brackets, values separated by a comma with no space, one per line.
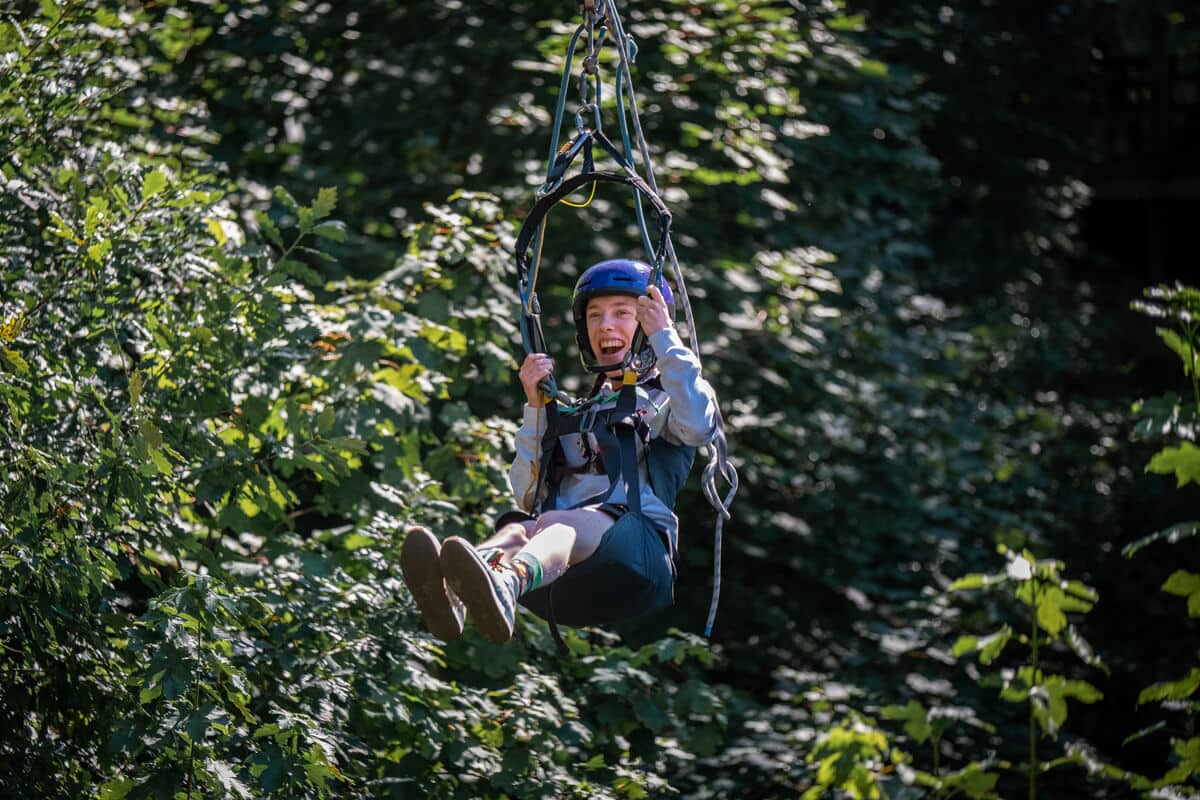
[522,475]
[692,412]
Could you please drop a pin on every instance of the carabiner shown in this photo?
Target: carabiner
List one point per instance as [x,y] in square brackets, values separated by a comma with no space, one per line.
[595,109]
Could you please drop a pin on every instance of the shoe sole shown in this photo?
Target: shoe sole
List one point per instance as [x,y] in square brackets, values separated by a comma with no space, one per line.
[468,577]
[420,563]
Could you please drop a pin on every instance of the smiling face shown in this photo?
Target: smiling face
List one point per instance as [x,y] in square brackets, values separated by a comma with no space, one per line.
[611,325]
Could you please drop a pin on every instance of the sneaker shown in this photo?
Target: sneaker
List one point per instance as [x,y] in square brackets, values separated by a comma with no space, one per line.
[420,563]
[489,591]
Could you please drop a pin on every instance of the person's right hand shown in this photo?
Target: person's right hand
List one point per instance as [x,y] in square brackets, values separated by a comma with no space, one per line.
[536,368]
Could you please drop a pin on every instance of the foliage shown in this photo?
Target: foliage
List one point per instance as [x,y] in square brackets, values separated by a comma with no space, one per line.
[1037,584]
[204,506]
[221,405]
[1180,306]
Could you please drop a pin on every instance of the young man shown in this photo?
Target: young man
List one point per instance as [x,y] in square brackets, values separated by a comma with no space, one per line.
[566,513]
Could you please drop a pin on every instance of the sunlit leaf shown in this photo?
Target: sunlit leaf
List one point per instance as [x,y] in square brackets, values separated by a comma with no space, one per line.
[1171,535]
[1181,689]
[1187,352]
[1182,461]
[153,183]
[325,203]
[1050,614]
[331,229]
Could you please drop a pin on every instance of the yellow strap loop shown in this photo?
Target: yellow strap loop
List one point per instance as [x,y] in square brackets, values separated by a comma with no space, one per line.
[591,197]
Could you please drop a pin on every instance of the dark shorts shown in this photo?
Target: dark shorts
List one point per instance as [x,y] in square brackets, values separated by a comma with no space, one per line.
[631,573]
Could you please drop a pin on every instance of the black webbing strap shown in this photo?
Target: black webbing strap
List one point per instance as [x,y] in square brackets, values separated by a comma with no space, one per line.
[583,144]
[530,323]
[624,424]
[589,163]
[550,443]
[542,207]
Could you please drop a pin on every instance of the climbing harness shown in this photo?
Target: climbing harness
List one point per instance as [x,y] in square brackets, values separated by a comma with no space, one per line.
[565,414]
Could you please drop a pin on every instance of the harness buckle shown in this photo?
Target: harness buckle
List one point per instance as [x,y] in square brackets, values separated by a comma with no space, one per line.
[628,421]
[587,420]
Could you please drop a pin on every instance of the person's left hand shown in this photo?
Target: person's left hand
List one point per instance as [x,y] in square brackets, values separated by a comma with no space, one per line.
[652,312]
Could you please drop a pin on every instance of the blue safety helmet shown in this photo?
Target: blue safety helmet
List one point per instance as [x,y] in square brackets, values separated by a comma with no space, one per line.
[614,276]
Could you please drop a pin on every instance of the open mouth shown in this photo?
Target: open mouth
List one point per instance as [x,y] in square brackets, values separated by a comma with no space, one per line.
[610,347]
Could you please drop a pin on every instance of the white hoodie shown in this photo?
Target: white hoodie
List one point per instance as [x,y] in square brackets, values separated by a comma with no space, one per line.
[683,412]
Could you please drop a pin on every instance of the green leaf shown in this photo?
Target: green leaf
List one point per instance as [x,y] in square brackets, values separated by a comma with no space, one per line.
[1171,535]
[357,541]
[1157,415]
[1183,461]
[135,387]
[226,775]
[973,581]
[98,251]
[1083,649]
[14,360]
[1188,753]
[96,213]
[269,767]
[965,644]
[847,23]
[161,463]
[1050,614]
[117,789]
[50,10]
[991,646]
[213,225]
[348,443]
[153,184]
[150,433]
[303,272]
[915,717]
[972,779]
[1144,732]
[873,68]
[284,196]
[988,647]
[325,203]
[331,229]
[1182,583]
[651,714]
[1181,689]
[1187,354]
[1082,691]
[268,228]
